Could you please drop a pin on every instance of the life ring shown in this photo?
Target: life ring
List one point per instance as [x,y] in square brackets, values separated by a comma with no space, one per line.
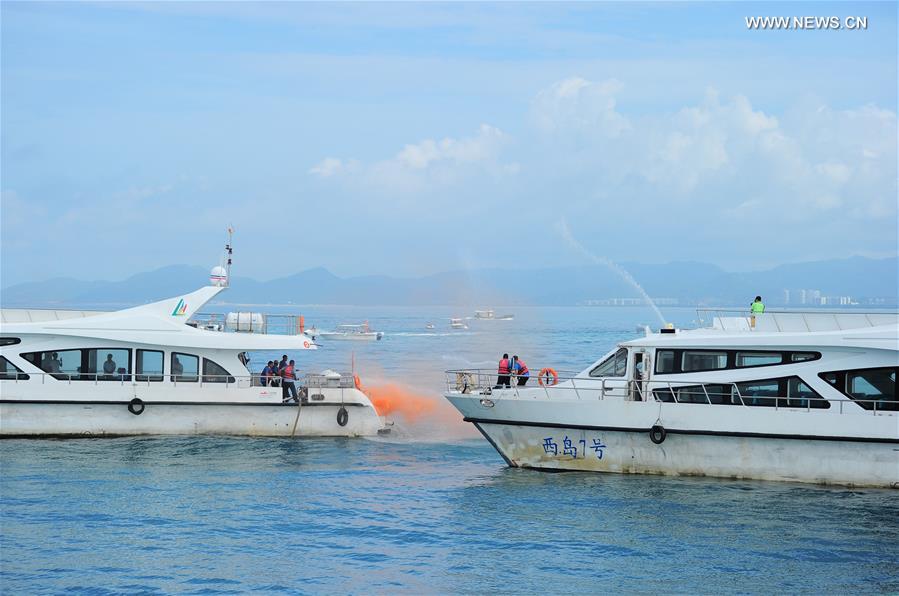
[136,406]
[306,343]
[657,434]
[342,416]
[357,382]
[551,376]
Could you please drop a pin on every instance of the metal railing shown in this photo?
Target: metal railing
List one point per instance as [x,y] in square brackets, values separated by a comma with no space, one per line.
[482,382]
[272,324]
[156,378]
[792,320]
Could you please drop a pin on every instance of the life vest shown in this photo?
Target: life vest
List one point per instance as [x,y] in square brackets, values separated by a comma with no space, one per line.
[504,366]
[287,373]
[757,307]
[522,369]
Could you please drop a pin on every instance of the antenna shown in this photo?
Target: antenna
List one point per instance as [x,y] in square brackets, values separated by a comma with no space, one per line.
[229,251]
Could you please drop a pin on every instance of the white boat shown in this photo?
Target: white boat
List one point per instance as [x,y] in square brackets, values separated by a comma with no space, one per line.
[144,371]
[352,333]
[806,397]
[490,315]
[458,324]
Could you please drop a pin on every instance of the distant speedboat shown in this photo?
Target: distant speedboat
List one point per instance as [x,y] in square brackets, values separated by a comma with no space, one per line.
[490,315]
[458,324]
[429,326]
[352,333]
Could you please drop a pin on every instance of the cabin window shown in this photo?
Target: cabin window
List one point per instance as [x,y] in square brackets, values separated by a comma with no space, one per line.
[745,359]
[213,373]
[11,372]
[185,368]
[804,356]
[692,361]
[148,365]
[64,365]
[871,388]
[613,366]
[9,341]
[788,392]
[665,361]
[107,364]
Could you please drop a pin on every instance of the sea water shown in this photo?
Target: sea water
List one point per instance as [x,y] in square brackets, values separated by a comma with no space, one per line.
[430,509]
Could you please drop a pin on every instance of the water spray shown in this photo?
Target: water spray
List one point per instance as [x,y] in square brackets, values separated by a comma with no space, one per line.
[562,227]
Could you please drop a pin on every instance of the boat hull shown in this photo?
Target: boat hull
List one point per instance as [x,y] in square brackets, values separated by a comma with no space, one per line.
[113,418]
[851,463]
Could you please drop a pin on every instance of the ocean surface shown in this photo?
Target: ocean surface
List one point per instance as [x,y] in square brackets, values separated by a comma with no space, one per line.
[431,508]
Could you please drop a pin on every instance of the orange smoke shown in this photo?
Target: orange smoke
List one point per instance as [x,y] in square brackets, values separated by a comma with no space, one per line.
[391,399]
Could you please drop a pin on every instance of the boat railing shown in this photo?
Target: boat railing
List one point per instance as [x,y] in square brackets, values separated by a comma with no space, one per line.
[792,320]
[260,323]
[152,379]
[484,382]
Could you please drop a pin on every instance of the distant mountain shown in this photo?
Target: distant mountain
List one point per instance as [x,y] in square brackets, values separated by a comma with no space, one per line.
[688,282]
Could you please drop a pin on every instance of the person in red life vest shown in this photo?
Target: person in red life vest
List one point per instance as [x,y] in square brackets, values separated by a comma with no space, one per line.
[504,370]
[288,381]
[520,370]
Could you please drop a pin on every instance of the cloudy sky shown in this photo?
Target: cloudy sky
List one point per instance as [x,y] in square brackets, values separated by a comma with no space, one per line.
[414,138]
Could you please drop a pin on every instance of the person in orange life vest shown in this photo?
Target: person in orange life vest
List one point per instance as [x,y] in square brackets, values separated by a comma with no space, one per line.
[520,370]
[503,372]
[288,381]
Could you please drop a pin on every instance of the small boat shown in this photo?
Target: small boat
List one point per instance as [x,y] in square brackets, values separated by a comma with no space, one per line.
[429,326]
[490,315]
[352,332]
[458,324]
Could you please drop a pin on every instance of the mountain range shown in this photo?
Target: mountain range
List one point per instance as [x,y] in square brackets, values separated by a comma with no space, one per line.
[687,282]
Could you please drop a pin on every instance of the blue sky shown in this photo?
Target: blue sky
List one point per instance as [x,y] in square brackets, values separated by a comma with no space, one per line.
[414,138]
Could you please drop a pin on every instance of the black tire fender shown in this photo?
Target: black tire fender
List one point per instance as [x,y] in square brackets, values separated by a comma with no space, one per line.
[342,416]
[136,406]
[657,434]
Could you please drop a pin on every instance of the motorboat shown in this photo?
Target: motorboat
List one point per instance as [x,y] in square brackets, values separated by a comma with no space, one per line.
[490,315]
[360,332]
[803,397]
[458,324]
[430,326]
[145,371]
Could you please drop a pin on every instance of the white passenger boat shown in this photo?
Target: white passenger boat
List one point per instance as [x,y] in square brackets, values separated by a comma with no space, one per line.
[144,371]
[807,397]
[352,333]
[458,324]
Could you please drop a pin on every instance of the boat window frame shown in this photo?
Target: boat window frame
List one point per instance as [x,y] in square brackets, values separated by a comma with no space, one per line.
[182,378]
[869,405]
[145,377]
[612,358]
[18,375]
[97,375]
[818,402]
[215,378]
[9,341]
[786,359]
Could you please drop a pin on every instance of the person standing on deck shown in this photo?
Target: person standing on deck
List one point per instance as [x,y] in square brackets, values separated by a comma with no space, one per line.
[520,370]
[756,308]
[503,372]
[288,381]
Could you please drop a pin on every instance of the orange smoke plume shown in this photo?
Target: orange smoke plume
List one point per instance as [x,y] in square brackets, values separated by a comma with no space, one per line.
[391,398]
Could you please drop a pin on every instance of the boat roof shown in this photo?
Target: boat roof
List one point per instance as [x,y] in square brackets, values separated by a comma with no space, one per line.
[162,323]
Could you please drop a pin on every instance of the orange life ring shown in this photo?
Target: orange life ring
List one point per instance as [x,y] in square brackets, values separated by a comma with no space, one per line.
[357,382]
[551,376]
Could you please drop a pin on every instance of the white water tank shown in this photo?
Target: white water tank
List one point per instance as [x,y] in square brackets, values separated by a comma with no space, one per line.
[245,322]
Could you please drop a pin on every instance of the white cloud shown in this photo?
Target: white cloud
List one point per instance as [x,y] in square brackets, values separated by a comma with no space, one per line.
[429,162]
[581,106]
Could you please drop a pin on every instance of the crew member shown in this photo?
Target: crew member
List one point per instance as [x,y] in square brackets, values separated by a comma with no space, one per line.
[503,372]
[756,308]
[520,370]
[288,381]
